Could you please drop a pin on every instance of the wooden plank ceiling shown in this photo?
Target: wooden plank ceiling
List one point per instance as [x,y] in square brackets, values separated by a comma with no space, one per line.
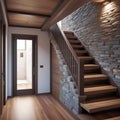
[39,13]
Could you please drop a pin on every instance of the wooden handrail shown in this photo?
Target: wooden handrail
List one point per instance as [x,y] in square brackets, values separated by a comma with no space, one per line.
[69,45]
[75,65]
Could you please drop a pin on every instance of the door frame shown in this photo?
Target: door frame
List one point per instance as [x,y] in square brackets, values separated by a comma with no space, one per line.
[2,60]
[34,38]
[1,68]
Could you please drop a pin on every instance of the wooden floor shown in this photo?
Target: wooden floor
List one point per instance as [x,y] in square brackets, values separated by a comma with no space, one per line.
[43,107]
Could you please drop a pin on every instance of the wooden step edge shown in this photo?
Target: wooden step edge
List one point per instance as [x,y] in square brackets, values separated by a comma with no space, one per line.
[68,32]
[95,76]
[81,51]
[100,89]
[71,37]
[113,118]
[95,81]
[78,46]
[104,98]
[85,58]
[101,105]
[91,66]
[72,44]
[74,41]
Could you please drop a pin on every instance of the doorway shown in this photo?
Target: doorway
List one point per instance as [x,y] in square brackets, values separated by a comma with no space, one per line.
[24,64]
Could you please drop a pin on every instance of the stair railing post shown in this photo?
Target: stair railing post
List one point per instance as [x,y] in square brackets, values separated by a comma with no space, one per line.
[81,77]
[82,97]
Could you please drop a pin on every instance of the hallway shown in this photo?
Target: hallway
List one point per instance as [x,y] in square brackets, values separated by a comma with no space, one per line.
[43,107]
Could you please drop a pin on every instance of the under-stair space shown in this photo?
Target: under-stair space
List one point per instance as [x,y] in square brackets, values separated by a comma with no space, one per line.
[100,94]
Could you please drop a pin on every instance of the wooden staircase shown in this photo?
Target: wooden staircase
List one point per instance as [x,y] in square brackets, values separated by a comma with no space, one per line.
[114,118]
[101,94]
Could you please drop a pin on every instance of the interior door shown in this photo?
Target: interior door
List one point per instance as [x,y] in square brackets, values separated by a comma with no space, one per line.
[24,64]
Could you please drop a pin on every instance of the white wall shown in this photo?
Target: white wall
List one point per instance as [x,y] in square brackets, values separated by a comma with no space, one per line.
[43,57]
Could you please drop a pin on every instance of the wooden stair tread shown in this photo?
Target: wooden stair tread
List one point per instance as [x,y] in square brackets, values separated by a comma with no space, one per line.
[74,41]
[81,51]
[71,36]
[77,46]
[102,98]
[100,89]
[95,76]
[90,66]
[96,85]
[68,32]
[101,105]
[114,118]
[85,58]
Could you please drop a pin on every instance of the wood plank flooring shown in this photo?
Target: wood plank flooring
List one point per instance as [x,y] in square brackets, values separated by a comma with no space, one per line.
[43,107]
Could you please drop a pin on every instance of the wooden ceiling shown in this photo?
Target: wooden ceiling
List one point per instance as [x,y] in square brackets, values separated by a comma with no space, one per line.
[39,13]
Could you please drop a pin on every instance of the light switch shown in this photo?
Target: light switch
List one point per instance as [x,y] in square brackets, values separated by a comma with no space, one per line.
[41,66]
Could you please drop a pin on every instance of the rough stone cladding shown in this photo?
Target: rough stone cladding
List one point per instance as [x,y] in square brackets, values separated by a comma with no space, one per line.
[68,95]
[97,25]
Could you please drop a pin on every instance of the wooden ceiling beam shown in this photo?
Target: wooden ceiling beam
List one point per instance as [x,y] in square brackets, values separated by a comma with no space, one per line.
[25,20]
[25,13]
[67,7]
[24,26]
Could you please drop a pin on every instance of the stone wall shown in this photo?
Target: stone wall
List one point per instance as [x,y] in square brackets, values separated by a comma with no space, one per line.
[97,25]
[68,95]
